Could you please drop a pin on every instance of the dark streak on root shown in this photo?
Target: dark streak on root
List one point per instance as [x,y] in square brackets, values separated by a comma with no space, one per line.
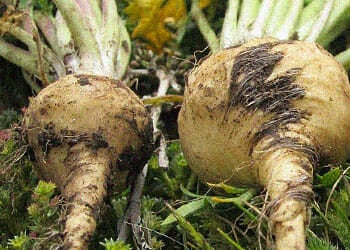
[86,79]
[250,87]
[135,159]
[48,139]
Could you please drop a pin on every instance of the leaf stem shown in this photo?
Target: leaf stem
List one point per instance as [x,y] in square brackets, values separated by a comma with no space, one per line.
[29,79]
[229,36]
[286,30]
[110,34]
[248,13]
[338,21]
[18,56]
[344,59]
[320,23]
[307,18]
[204,26]
[262,18]
[83,36]
[277,16]
[230,240]
[48,28]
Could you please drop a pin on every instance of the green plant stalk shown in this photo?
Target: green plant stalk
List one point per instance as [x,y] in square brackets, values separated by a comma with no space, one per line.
[18,56]
[239,202]
[197,237]
[50,59]
[307,18]
[110,35]
[286,30]
[229,35]
[64,36]
[96,11]
[89,16]
[22,35]
[204,26]
[279,12]
[230,240]
[248,13]
[84,39]
[338,21]
[48,28]
[259,24]
[344,59]
[124,52]
[320,23]
[29,80]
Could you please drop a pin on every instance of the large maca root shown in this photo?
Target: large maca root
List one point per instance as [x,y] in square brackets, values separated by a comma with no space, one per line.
[87,131]
[266,113]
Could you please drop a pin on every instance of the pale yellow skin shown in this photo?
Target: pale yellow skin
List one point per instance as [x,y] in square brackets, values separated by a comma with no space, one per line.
[219,146]
[86,104]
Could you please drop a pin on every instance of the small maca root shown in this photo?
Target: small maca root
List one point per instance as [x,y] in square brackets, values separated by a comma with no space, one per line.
[258,114]
[86,132]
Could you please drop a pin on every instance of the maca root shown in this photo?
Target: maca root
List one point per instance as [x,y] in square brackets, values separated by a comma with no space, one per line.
[260,113]
[87,131]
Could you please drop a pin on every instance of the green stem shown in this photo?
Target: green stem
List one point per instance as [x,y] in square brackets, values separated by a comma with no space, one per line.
[344,59]
[248,13]
[96,12]
[279,12]
[32,84]
[307,18]
[262,18]
[64,37]
[204,26]
[230,240]
[229,36]
[18,56]
[320,23]
[48,28]
[338,21]
[287,28]
[83,36]
[21,35]
[88,14]
[124,52]
[110,34]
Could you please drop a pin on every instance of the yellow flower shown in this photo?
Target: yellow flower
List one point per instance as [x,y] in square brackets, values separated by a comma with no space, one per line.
[204,3]
[151,17]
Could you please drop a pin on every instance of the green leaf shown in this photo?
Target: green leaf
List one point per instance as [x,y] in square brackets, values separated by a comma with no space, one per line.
[327,180]
[115,245]
[228,189]
[315,243]
[45,189]
[186,210]
[19,242]
[197,237]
